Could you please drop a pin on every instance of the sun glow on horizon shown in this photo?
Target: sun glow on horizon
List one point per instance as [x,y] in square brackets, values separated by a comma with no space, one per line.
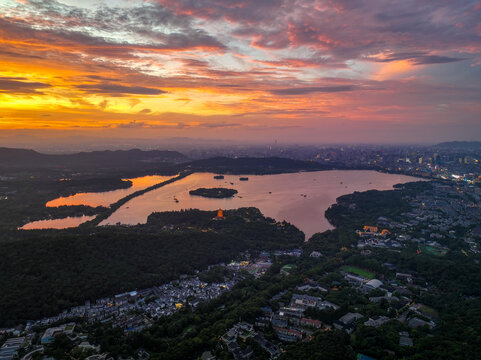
[174,66]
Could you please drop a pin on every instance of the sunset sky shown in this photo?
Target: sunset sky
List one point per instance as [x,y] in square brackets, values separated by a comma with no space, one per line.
[293,70]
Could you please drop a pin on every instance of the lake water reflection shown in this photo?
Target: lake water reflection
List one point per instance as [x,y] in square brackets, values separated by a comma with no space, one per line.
[108,197]
[299,198]
[64,223]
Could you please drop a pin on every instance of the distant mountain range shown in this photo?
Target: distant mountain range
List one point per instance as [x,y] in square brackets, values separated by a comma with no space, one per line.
[249,165]
[84,160]
[155,160]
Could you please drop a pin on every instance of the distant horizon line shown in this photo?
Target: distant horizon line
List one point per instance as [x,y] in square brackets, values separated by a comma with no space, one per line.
[209,143]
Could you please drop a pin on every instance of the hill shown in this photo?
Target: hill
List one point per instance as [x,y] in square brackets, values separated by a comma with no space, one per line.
[119,159]
[251,165]
[154,160]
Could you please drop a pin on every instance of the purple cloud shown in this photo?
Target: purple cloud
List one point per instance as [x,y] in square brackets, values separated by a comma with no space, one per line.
[115,89]
[313,89]
[19,85]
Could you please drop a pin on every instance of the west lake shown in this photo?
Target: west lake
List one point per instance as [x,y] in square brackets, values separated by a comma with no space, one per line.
[299,198]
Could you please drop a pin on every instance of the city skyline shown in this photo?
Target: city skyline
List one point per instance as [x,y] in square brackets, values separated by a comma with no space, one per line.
[296,71]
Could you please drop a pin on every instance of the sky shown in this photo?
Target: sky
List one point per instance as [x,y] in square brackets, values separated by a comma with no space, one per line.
[313,71]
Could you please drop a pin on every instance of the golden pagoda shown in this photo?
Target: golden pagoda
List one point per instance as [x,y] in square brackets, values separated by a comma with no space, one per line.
[220,214]
[385,232]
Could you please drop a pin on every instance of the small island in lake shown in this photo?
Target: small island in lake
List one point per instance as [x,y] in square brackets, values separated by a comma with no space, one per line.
[218,193]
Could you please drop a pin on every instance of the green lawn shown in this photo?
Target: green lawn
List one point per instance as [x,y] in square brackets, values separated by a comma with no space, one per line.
[432,250]
[286,269]
[358,271]
[429,311]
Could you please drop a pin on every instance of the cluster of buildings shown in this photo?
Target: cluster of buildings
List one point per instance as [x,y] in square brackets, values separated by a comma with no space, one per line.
[135,310]
[396,295]
[238,340]
[372,236]
[290,322]
[48,336]
[442,163]
[131,311]
[240,332]
[26,347]
[450,211]
[361,283]
[431,161]
[10,348]
[257,268]
[440,213]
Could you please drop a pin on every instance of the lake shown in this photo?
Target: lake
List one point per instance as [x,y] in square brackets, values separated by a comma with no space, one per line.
[299,198]
[69,222]
[108,197]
